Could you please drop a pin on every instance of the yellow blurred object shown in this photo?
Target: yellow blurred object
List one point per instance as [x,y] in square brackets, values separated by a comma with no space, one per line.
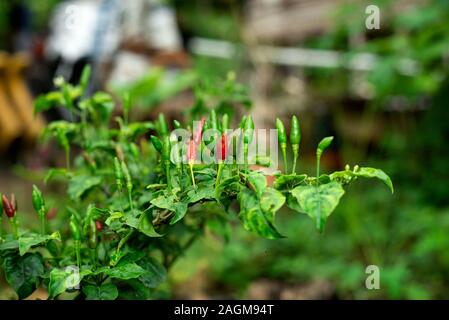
[16,103]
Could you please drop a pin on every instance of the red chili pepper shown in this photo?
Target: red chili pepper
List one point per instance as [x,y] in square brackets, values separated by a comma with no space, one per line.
[199,131]
[9,206]
[222,148]
[191,156]
[99,225]
[191,151]
[52,213]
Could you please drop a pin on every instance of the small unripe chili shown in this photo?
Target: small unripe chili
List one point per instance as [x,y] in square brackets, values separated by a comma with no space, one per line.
[129,184]
[39,206]
[177,124]
[247,138]
[225,123]
[221,154]
[166,149]
[295,139]
[37,199]
[157,144]
[163,129]
[282,139]
[92,239]
[118,174]
[213,120]
[76,235]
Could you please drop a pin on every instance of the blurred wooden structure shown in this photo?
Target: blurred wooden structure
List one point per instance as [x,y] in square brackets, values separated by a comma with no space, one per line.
[16,103]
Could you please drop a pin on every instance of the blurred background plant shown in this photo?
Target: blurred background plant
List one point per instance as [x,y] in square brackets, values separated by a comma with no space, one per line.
[382,93]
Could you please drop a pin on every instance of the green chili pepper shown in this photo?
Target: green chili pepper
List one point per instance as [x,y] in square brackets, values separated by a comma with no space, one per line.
[282,138]
[225,122]
[163,129]
[39,206]
[166,159]
[64,142]
[126,106]
[84,80]
[93,239]
[213,120]
[242,123]
[322,146]
[156,143]
[76,234]
[129,184]
[247,138]
[295,139]
[118,175]
[249,130]
[177,124]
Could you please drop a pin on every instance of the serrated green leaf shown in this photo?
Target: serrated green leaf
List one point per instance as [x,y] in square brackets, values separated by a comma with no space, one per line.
[318,201]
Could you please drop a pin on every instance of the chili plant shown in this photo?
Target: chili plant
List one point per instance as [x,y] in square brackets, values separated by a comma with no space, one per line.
[139,195]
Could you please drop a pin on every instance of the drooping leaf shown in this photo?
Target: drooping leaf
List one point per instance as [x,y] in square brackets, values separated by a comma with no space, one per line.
[256,219]
[366,172]
[24,273]
[258,182]
[107,291]
[29,240]
[79,185]
[318,201]
[66,278]
[147,229]
[204,190]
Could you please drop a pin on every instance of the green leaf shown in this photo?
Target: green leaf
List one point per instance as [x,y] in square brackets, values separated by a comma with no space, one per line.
[147,229]
[155,273]
[54,172]
[285,182]
[103,104]
[258,182]
[366,172]
[170,203]
[34,239]
[347,176]
[9,244]
[126,271]
[204,190]
[79,185]
[106,291]
[319,201]
[257,219]
[24,273]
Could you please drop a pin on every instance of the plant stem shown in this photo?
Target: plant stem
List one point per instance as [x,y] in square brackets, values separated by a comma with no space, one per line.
[42,218]
[13,223]
[217,181]
[191,174]
[284,155]
[295,148]
[78,253]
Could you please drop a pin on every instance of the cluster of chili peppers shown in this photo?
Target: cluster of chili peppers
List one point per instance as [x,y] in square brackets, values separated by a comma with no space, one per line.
[295,139]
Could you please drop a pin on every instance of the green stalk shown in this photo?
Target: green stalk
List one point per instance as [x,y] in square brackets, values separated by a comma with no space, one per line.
[217,181]
[42,218]
[284,155]
[78,253]
[13,223]
[295,148]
